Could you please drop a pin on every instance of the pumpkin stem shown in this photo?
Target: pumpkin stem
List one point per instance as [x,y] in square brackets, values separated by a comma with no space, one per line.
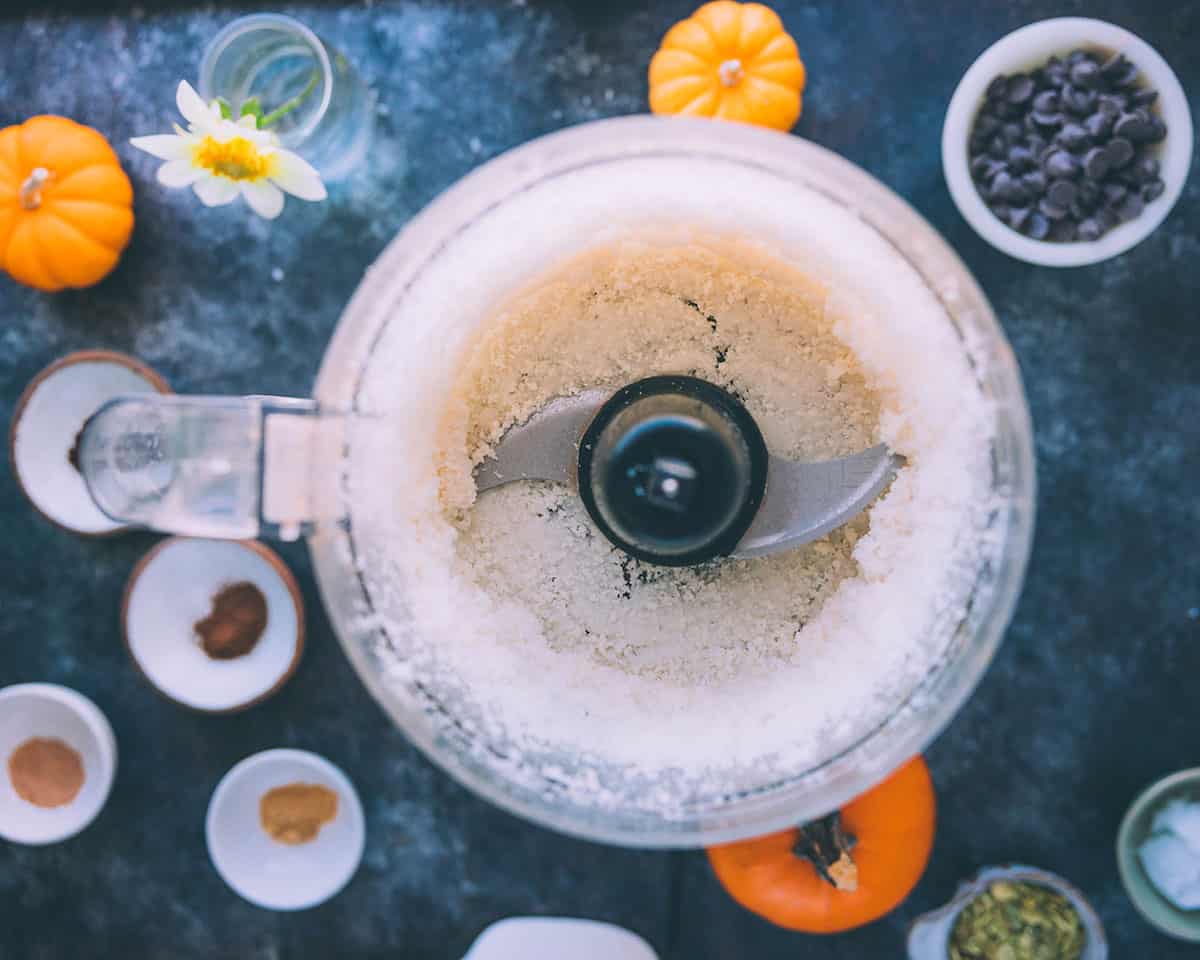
[731,72]
[826,845]
[31,189]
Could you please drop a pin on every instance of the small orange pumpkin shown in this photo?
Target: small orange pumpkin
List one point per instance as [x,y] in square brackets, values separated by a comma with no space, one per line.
[66,206]
[729,60]
[844,870]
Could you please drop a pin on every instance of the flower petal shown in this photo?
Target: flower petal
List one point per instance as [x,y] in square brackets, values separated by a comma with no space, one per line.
[180,173]
[216,191]
[194,109]
[295,175]
[165,146]
[264,198]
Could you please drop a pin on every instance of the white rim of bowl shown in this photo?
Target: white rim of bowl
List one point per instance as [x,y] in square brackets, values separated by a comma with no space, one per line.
[286,577]
[346,793]
[106,743]
[1128,861]
[1025,49]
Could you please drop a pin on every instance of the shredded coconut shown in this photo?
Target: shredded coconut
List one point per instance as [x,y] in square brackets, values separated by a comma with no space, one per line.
[630,685]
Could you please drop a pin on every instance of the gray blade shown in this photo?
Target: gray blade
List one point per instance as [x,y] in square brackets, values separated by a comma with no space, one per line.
[805,501]
[546,446]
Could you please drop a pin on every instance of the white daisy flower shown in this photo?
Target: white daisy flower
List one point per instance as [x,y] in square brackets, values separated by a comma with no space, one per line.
[221,159]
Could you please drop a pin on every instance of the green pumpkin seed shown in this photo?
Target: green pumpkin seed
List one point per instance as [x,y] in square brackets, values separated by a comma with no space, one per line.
[1017,921]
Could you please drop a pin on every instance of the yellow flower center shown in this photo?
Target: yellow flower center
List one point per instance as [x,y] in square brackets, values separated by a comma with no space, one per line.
[237,159]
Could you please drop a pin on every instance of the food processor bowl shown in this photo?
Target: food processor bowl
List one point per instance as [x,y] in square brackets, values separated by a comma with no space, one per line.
[377,644]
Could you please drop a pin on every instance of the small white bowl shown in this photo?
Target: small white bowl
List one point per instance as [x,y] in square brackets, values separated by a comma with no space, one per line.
[46,425]
[270,874]
[172,588]
[47,710]
[1022,51]
[551,938]
[929,937]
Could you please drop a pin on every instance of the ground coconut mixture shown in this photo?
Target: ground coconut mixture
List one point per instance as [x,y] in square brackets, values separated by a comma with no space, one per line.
[613,316]
[518,629]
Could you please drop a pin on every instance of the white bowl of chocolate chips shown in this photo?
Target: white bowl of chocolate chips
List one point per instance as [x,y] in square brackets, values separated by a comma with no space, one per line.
[1067,142]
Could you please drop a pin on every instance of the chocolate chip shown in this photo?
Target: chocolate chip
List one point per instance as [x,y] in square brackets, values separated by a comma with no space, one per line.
[1078,56]
[1131,208]
[980,167]
[1114,66]
[1089,194]
[1158,131]
[1037,226]
[1134,126]
[1098,125]
[986,124]
[1089,230]
[1114,104]
[1078,210]
[1153,190]
[1063,231]
[1114,193]
[1118,152]
[1146,169]
[1062,193]
[1002,185]
[1012,133]
[1048,121]
[1074,137]
[1143,98]
[1095,163]
[1020,158]
[1046,102]
[1034,182]
[1035,144]
[1085,73]
[1020,88]
[1001,210]
[1126,79]
[1017,216]
[1078,100]
[997,148]
[1051,209]
[997,88]
[1062,164]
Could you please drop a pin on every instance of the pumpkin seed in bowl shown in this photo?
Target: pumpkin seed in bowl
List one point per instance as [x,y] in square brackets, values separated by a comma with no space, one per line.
[1018,921]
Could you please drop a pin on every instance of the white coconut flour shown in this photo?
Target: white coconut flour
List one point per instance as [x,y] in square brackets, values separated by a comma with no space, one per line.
[545,644]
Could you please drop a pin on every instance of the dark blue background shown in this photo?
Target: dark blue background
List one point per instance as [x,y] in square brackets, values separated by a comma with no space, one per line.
[1091,697]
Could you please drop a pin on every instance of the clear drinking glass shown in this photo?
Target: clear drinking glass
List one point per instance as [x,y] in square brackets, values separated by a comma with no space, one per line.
[326,111]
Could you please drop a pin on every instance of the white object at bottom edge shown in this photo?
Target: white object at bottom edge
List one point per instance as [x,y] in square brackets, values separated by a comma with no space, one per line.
[558,938]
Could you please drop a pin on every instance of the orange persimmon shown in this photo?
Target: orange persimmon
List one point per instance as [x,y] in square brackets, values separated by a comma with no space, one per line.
[844,870]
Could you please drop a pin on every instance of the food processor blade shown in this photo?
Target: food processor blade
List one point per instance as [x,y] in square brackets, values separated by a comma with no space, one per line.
[802,502]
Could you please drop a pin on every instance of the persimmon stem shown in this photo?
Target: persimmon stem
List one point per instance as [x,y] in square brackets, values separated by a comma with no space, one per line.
[826,845]
[31,189]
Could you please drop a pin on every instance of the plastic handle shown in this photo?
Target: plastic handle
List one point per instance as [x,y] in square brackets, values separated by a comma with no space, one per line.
[203,466]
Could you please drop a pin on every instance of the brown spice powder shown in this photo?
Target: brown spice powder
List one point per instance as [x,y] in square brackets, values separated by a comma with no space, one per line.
[295,813]
[237,621]
[46,772]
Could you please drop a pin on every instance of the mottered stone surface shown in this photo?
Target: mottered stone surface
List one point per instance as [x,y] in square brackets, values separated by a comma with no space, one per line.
[1090,698]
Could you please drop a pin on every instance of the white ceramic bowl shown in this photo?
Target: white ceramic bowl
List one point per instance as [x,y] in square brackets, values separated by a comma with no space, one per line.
[558,938]
[270,874]
[47,710]
[930,934]
[1022,51]
[172,588]
[46,424]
